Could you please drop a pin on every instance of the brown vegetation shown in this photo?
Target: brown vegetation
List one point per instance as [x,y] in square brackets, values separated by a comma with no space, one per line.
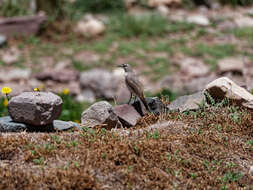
[211,149]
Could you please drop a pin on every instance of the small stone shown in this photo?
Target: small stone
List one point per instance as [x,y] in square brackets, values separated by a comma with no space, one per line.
[7,125]
[98,114]
[235,65]
[244,21]
[163,10]
[225,88]
[35,108]
[3,40]
[64,125]
[251,170]
[127,114]
[189,102]
[199,20]
[90,28]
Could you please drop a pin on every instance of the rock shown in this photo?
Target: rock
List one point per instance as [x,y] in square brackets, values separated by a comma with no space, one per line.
[127,114]
[251,170]
[64,125]
[7,125]
[87,57]
[193,67]
[100,113]
[64,75]
[244,21]
[90,28]
[189,102]
[225,88]
[10,56]
[122,95]
[86,96]
[163,10]
[35,108]
[155,105]
[15,75]
[198,19]
[157,3]
[226,25]
[235,65]
[101,82]
[3,40]
[21,26]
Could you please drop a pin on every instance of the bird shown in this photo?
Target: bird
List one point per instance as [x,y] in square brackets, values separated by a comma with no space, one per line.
[133,84]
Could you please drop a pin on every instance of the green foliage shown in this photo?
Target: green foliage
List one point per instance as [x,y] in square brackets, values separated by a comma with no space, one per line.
[3,109]
[98,6]
[132,26]
[71,110]
[11,8]
[168,94]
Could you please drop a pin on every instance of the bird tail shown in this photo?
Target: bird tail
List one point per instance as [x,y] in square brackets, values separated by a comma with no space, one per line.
[145,103]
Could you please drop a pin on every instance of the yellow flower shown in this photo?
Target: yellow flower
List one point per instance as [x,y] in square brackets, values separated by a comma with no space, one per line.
[6,90]
[65,91]
[36,89]
[5,103]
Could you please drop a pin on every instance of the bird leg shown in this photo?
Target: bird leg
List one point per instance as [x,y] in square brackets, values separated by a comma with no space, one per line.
[130,99]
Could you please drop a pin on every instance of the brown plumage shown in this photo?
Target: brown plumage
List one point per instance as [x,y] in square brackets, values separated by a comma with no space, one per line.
[133,84]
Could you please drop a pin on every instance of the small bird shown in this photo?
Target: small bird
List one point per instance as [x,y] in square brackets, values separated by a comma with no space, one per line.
[133,84]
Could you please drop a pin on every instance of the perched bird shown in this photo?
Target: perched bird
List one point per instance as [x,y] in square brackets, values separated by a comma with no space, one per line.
[133,84]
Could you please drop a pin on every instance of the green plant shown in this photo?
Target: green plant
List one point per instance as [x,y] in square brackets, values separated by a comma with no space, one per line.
[11,8]
[99,6]
[237,2]
[39,161]
[154,135]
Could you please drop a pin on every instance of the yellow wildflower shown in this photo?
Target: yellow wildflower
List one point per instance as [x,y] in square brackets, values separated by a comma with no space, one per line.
[6,90]
[5,103]
[65,91]
[36,89]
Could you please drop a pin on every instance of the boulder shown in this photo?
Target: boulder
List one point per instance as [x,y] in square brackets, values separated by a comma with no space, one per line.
[127,114]
[35,108]
[198,19]
[15,75]
[100,113]
[102,82]
[225,88]
[188,102]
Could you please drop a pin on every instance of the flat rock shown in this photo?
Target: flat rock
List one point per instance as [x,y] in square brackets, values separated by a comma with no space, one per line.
[231,65]
[35,108]
[127,114]
[188,102]
[15,75]
[244,21]
[8,125]
[63,75]
[100,113]
[225,88]
[198,19]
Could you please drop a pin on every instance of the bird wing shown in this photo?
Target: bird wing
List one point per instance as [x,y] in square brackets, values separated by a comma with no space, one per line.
[134,84]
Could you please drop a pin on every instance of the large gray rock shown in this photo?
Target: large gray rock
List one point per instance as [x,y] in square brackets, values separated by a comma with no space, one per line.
[102,82]
[35,108]
[225,88]
[127,114]
[100,113]
[8,125]
[189,102]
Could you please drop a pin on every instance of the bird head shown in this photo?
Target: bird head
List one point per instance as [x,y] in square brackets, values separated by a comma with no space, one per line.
[126,67]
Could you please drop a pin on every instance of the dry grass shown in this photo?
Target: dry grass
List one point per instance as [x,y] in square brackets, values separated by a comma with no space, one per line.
[207,149]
